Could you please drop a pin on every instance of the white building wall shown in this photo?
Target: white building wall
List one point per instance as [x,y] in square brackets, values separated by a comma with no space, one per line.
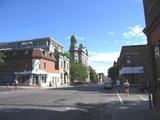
[53,80]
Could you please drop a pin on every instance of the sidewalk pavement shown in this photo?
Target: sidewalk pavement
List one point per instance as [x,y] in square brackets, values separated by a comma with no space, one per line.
[18,87]
[3,88]
[134,113]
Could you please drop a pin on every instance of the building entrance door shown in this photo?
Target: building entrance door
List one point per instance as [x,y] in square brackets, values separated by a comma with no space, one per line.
[35,80]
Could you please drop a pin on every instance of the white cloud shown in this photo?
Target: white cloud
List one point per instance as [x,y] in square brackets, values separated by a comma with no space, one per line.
[68,37]
[102,61]
[111,33]
[135,32]
[103,57]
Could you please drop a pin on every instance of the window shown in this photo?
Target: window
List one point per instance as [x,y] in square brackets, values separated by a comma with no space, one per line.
[128,60]
[61,76]
[67,66]
[35,43]
[26,66]
[45,65]
[26,52]
[42,43]
[64,64]
[44,77]
[61,64]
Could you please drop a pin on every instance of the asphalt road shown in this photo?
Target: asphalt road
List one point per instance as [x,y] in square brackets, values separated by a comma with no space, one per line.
[70,103]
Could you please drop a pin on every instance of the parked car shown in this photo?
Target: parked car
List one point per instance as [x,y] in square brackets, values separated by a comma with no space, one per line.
[108,85]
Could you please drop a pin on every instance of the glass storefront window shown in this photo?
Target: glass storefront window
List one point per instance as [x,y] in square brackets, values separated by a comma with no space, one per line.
[44,77]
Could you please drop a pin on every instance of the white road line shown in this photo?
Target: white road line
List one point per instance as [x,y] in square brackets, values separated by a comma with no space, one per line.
[74,108]
[143,98]
[71,108]
[119,97]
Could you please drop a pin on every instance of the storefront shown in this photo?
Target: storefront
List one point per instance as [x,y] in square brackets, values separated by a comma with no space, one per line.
[31,79]
[135,75]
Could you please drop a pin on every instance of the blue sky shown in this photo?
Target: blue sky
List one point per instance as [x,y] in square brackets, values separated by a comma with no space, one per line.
[103,26]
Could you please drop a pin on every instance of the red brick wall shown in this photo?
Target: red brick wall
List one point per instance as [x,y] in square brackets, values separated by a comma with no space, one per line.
[50,66]
[155,36]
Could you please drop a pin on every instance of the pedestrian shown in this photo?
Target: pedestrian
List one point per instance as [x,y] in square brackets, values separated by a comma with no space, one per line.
[126,86]
[15,83]
[7,84]
[118,84]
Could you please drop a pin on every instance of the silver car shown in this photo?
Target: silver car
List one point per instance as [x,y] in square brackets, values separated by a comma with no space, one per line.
[108,85]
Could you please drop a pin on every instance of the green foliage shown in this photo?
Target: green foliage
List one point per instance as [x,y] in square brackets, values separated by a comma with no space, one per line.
[56,53]
[78,72]
[113,72]
[93,77]
[2,57]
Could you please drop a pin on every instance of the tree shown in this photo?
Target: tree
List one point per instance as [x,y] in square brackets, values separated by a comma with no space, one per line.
[65,54]
[93,77]
[2,57]
[113,72]
[78,72]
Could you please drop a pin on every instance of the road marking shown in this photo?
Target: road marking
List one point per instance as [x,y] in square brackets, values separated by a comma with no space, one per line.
[119,97]
[71,108]
[143,98]
[74,108]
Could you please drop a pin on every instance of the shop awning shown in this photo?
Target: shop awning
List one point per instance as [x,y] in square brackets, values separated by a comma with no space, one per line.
[131,70]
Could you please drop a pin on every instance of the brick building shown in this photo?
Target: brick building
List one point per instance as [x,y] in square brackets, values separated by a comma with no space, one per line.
[32,66]
[25,52]
[133,65]
[152,31]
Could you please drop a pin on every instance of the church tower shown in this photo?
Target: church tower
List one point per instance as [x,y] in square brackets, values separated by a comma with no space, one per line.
[73,48]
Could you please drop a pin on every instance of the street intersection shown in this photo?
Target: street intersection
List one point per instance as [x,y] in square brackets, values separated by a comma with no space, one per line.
[74,103]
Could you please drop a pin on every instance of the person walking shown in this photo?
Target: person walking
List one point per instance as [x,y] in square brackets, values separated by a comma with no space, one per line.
[126,86]
[118,84]
[15,84]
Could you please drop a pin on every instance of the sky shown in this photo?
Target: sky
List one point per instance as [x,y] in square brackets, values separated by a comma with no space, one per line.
[102,26]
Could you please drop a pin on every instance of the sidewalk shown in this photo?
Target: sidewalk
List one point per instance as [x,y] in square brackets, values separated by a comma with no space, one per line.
[134,113]
[5,88]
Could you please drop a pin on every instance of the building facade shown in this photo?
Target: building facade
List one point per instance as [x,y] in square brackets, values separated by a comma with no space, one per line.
[133,65]
[100,77]
[64,66]
[79,54]
[152,31]
[49,46]
[47,43]
[32,66]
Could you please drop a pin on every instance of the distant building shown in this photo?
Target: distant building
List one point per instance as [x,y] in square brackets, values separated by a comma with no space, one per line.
[100,77]
[152,31]
[133,65]
[47,43]
[49,46]
[79,54]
